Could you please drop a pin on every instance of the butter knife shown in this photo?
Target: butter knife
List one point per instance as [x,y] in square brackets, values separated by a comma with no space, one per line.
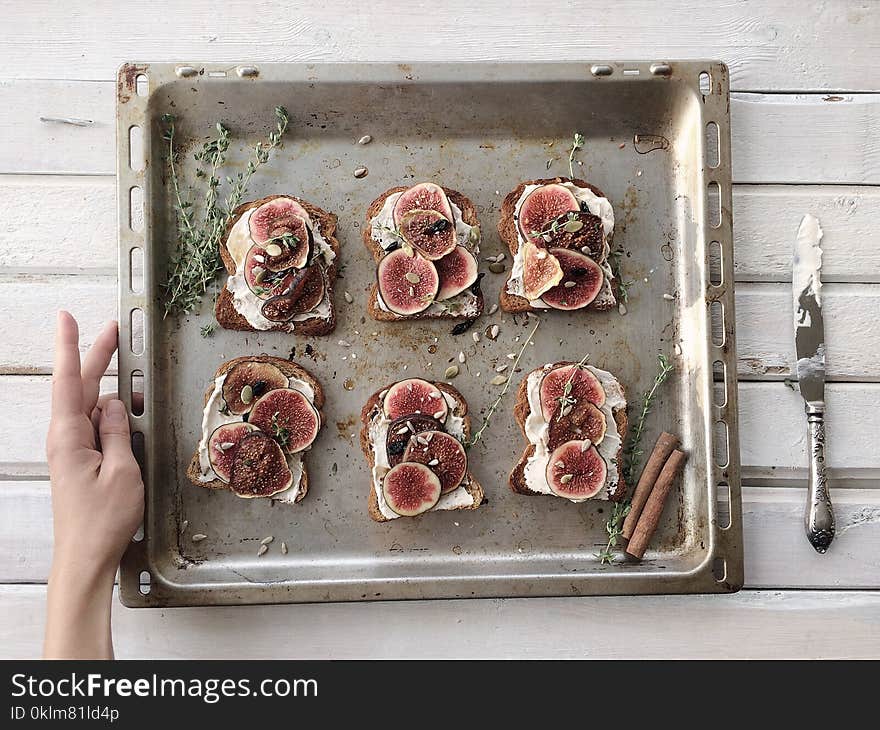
[809,338]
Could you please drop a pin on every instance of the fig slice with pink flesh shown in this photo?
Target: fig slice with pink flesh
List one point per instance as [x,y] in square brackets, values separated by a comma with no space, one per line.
[441,453]
[423,196]
[264,283]
[580,420]
[223,444]
[584,386]
[408,282]
[304,292]
[289,417]
[457,270]
[576,471]
[275,218]
[411,489]
[588,239]
[429,232]
[400,430]
[541,207]
[581,282]
[414,396]
[259,467]
[247,381]
[541,271]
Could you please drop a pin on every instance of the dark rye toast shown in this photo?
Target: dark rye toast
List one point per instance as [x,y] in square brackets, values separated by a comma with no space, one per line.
[469,216]
[224,311]
[472,486]
[521,411]
[507,230]
[291,370]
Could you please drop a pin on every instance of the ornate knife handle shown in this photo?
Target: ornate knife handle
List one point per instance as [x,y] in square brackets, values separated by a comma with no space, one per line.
[819,521]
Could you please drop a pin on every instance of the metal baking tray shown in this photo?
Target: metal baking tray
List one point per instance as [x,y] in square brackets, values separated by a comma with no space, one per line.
[658,144]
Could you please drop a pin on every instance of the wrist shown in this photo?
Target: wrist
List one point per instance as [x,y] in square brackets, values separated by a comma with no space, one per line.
[79,574]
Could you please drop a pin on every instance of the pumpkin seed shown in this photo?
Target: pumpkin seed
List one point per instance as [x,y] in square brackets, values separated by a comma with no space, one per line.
[499,380]
[412,278]
[198,537]
[496,267]
[573,226]
[474,234]
[451,371]
[273,249]
[259,273]
[247,394]
[407,249]
[366,139]
[501,368]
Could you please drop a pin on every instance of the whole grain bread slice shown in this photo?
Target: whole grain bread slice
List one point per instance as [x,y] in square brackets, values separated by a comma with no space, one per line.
[521,411]
[291,370]
[507,230]
[468,215]
[225,312]
[461,409]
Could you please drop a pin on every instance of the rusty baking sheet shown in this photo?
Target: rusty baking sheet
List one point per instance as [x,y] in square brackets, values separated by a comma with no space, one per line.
[657,142]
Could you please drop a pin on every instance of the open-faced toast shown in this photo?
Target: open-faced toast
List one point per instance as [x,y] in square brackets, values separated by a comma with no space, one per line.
[574,419]
[271,405]
[413,436]
[425,240]
[558,231]
[291,291]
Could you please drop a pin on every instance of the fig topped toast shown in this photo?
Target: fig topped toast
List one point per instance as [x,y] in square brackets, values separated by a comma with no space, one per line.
[413,435]
[425,240]
[558,231]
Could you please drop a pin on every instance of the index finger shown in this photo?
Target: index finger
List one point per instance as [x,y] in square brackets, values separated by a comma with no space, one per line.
[66,379]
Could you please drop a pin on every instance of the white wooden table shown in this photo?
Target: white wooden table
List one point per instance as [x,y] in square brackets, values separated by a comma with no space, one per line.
[806,137]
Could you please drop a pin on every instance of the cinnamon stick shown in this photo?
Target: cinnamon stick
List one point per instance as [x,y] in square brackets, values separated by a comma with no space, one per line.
[662,449]
[650,516]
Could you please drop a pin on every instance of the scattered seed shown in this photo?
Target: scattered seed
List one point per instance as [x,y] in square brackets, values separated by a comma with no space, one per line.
[273,249]
[344,343]
[566,478]
[500,257]
[493,331]
[677,348]
[573,226]
[451,371]
[259,259]
[501,368]
[621,145]
[412,292]
[198,537]
[435,394]
[560,465]
[566,410]
[226,445]
[433,462]
[569,284]
[668,297]
[247,394]
[621,308]
[183,526]
[349,298]
[493,309]
[262,551]
[549,162]
[361,172]
[439,414]
[366,139]
[461,357]
[476,336]
[284,548]
[421,440]
[383,394]
[412,278]
[429,436]
[477,375]
[511,356]
[585,444]
[267,540]
[412,429]
[401,430]
[499,380]
[407,249]
[496,267]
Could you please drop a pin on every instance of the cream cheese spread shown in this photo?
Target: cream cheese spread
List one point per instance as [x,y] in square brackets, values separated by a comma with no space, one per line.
[248,304]
[538,431]
[378,433]
[213,417]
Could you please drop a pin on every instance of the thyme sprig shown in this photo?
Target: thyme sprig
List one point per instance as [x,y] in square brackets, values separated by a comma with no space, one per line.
[566,401]
[569,223]
[577,143]
[492,408]
[623,285]
[285,239]
[279,432]
[632,454]
[196,257]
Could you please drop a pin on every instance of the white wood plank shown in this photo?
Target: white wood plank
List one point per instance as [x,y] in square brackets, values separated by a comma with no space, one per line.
[750,624]
[776,552]
[772,429]
[769,45]
[782,138]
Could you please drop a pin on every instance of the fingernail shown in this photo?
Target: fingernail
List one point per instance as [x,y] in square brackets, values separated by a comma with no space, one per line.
[114,411]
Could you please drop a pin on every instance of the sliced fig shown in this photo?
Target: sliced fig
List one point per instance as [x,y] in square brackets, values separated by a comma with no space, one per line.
[579,420]
[541,271]
[291,249]
[541,207]
[581,283]
[222,446]
[408,282]
[414,396]
[260,280]
[424,196]
[247,381]
[429,232]
[589,238]
[457,271]
[288,417]
[275,218]
[584,387]
[304,292]
[442,454]
[576,471]
[400,430]
[259,468]
[410,489]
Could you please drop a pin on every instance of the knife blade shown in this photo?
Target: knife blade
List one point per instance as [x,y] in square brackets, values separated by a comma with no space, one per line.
[809,338]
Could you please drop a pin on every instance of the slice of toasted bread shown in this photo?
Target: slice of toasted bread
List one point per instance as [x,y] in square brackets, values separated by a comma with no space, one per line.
[469,216]
[225,312]
[521,411]
[507,230]
[291,370]
[471,485]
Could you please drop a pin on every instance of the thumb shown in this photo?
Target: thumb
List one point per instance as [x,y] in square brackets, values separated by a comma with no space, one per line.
[115,434]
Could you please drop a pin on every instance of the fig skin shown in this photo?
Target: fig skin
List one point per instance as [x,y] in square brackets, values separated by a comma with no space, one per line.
[542,206]
[458,271]
[400,295]
[446,450]
[259,468]
[581,271]
[287,416]
[396,443]
[581,462]
[411,489]
[584,386]
[541,271]
[583,421]
[261,376]
[414,396]
[422,196]
[275,218]
[221,459]
[304,293]
[429,232]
